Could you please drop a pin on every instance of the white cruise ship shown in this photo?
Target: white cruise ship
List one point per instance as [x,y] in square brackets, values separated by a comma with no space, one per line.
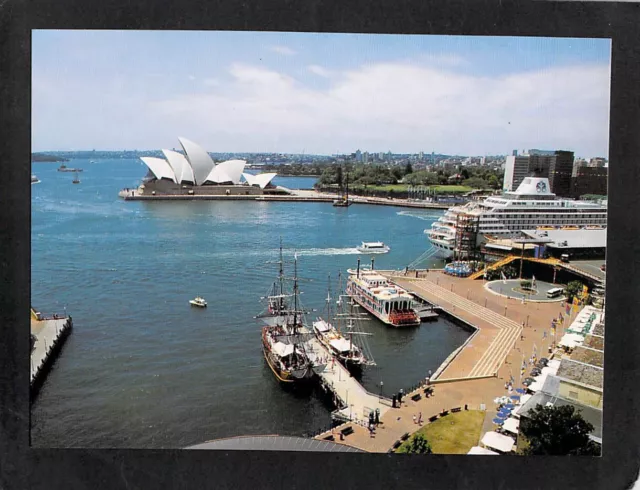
[532,205]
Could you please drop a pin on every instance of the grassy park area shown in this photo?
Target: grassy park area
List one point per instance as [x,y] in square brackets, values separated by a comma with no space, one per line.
[455,433]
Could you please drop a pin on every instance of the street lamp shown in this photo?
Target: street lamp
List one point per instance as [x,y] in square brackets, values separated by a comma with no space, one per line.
[381,385]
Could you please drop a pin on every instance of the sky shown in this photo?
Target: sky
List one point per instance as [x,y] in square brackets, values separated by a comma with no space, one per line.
[318,93]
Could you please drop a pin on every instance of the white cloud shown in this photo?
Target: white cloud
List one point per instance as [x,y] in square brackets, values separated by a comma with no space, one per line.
[318,70]
[402,107]
[191,77]
[284,50]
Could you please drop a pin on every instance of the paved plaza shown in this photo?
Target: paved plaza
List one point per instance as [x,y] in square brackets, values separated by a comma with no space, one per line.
[511,288]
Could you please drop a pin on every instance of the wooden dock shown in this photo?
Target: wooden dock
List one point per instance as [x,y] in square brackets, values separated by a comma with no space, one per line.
[50,334]
[352,400]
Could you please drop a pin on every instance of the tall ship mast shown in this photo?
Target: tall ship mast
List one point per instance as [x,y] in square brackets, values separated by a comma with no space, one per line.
[354,355]
[388,302]
[343,200]
[278,298]
[531,206]
[284,344]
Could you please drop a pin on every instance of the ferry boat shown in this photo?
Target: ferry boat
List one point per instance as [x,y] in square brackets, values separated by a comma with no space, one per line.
[285,343]
[64,168]
[389,303]
[199,302]
[34,179]
[532,205]
[373,248]
[348,352]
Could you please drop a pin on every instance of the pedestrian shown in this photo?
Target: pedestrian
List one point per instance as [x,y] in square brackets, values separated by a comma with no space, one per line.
[414,419]
[420,418]
[521,337]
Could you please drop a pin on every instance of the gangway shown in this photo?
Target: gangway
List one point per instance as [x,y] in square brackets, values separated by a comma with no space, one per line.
[495,265]
[430,252]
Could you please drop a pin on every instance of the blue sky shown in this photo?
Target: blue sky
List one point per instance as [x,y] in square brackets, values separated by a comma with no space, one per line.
[318,93]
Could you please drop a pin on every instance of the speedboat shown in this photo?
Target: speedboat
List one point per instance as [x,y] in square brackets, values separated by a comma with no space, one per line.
[34,179]
[198,301]
[373,248]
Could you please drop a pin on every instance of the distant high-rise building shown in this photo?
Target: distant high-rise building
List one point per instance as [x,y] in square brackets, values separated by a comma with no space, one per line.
[597,162]
[365,157]
[547,153]
[515,170]
[539,164]
[381,156]
[589,180]
[358,156]
[514,153]
[560,169]
[577,163]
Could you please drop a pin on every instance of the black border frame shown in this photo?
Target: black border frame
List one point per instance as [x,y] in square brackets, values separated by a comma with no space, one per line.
[24,467]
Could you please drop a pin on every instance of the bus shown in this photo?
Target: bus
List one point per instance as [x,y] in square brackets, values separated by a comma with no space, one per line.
[555,292]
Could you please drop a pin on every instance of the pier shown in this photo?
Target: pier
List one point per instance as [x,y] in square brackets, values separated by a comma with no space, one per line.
[353,401]
[50,334]
[296,195]
[506,332]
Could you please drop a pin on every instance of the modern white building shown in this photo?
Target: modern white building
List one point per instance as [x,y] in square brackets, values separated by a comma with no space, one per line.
[196,168]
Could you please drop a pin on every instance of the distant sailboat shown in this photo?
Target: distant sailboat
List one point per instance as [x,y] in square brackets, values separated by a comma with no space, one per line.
[76,180]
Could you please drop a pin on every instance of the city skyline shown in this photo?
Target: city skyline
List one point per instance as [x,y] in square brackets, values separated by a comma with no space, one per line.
[319,93]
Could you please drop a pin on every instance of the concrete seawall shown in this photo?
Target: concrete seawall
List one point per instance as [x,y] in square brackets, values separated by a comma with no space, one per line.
[50,336]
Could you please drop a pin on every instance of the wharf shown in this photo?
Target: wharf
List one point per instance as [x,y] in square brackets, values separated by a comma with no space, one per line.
[353,401]
[297,195]
[50,334]
[475,373]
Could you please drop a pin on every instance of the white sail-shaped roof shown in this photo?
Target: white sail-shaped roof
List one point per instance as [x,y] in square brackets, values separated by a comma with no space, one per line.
[250,178]
[180,165]
[262,180]
[229,171]
[200,161]
[160,168]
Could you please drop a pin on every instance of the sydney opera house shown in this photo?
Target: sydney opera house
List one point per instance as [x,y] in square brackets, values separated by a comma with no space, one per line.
[195,173]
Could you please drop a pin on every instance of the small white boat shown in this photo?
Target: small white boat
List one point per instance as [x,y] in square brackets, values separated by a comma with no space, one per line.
[198,301]
[373,248]
[34,179]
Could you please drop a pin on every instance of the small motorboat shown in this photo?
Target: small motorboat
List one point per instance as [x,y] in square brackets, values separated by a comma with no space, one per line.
[199,302]
[373,248]
[34,179]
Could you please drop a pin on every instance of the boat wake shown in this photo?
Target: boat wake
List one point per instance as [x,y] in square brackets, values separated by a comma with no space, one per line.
[430,216]
[310,252]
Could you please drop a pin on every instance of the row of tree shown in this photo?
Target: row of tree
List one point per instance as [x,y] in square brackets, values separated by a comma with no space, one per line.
[361,174]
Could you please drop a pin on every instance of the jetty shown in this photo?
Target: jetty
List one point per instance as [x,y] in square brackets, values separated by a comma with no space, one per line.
[353,401]
[49,333]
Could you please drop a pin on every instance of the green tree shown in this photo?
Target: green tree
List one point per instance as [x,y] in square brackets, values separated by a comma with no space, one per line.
[464,173]
[574,288]
[476,183]
[408,169]
[418,444]
[558,431]
[493,182]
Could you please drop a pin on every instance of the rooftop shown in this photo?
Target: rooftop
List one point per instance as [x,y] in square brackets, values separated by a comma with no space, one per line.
[581,373]
[575,238]
[594,342]
[276,443]
[588,356]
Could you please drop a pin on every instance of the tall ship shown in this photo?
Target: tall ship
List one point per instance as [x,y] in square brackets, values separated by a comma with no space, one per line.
[277,300]
[285,343]
[343,201]
[331,333]
[531,206]
[388,302]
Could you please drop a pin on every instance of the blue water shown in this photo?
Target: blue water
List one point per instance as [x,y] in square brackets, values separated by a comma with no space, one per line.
[144,369]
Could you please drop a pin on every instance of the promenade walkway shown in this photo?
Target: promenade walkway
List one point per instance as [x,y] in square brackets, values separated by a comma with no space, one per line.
[353,400]
[496,351]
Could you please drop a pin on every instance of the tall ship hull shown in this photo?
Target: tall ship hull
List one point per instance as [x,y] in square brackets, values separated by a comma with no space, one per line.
[286,362]
[532,206]
[389,303]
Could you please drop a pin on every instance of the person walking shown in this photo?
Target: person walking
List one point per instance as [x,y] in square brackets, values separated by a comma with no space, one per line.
[414,419]
[420,418]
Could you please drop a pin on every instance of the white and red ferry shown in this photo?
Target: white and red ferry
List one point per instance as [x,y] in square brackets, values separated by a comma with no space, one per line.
[390,303]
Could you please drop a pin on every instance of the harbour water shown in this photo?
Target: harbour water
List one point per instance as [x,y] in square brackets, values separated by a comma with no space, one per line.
[144,369]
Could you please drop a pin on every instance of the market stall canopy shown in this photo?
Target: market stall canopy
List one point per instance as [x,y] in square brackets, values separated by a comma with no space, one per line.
[511,425]
[481,450]
[496,441]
